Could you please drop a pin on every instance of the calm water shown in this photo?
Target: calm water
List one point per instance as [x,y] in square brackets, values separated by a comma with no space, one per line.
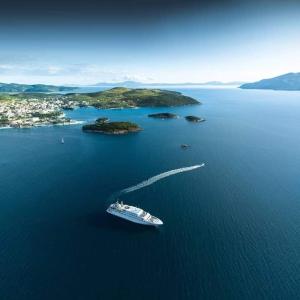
[232,228]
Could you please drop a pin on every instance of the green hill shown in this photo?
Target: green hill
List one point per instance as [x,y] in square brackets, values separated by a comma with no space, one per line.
[33,88]
[286,82]
[125,97]
[111,127]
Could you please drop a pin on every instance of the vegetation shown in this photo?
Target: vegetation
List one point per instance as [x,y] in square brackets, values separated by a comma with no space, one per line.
[194,119]
[34,88]
[111,127]
[6,98]
[113,98]
[53,114]
[31,96]
[4,120]
[163,116]
[124,97]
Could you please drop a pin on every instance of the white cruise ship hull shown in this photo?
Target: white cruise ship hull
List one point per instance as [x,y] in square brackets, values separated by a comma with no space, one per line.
[123,215]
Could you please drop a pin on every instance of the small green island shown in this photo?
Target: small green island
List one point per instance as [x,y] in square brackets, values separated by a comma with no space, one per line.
[102,125]
[164,115]
[194,119]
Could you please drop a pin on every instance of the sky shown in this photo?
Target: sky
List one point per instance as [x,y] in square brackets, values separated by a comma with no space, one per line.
[169,41]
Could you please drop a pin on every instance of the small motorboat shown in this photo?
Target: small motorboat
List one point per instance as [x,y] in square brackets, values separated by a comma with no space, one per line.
[185,146]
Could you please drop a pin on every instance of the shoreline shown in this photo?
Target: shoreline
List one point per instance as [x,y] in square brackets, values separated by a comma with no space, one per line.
[120,132]
[73,122]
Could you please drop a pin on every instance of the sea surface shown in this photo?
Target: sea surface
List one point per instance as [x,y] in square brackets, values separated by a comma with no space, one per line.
[231,229]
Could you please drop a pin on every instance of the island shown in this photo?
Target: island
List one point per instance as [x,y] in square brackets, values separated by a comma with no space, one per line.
[35,109]
[106,127]
[164,115]
[194,119]
[102,120]
[286,82]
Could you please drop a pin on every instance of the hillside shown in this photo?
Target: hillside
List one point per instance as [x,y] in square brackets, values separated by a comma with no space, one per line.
[286,82]
[34,88]
[125,97]
[137,84]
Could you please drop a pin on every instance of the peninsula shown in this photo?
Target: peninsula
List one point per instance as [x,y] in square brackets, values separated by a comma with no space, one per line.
[286,82]
[36,109]
[32,113]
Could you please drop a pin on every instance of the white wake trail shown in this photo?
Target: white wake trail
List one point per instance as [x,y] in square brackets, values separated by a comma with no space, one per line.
[153,180]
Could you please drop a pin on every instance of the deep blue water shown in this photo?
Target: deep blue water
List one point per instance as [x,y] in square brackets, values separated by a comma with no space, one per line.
[231,229]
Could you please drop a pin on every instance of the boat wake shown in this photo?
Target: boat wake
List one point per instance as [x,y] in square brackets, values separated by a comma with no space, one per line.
[153,180]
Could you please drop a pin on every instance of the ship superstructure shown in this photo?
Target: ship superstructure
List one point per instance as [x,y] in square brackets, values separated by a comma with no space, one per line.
[133,214]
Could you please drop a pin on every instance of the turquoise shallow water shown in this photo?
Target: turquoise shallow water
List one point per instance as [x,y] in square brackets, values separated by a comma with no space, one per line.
[232,228]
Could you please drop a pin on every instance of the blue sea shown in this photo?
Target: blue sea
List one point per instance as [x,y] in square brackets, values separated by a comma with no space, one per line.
[231,229]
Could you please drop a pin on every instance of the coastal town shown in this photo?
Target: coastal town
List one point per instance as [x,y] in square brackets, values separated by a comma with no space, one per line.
[33,112]
[24,110]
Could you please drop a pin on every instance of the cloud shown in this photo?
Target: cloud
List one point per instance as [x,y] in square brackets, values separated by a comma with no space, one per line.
[4,69]
[13,59]
[65,74]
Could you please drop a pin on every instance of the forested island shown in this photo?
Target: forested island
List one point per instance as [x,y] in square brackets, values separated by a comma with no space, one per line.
[102,125]
[164,115]
[194,119]
[125,97]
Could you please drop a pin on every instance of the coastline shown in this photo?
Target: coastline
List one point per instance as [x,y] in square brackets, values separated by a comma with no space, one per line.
[73,122]
[119,132]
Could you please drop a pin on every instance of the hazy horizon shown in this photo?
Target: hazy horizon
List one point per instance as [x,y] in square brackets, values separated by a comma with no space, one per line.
[231,83]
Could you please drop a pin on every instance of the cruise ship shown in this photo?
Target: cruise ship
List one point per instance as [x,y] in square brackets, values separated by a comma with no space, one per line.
[133,214]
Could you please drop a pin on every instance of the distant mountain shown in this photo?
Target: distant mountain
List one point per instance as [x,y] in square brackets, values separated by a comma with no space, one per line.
[128,84]
[136,84]
[32,88]
[220,83]
[286,82]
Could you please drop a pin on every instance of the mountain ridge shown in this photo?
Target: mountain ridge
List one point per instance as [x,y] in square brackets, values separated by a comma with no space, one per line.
[133,84]
[32,88]
[285,82]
